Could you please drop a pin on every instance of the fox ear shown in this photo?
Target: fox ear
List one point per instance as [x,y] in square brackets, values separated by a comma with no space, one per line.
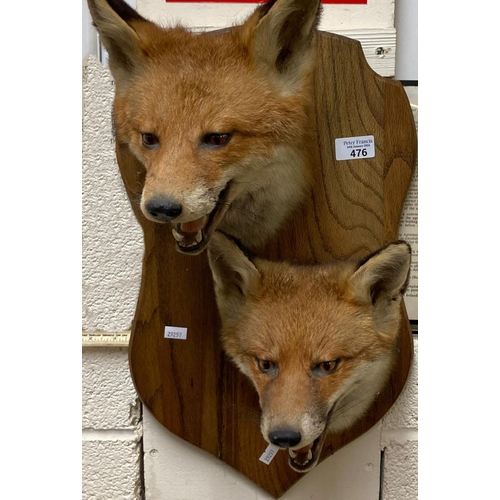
[282,39]
[383,276]
[117,25]
[233,273]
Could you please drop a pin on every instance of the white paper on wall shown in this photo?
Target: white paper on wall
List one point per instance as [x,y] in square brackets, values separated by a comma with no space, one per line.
[408,226]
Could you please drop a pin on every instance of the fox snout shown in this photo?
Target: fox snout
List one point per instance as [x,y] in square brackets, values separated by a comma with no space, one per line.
[285,438]
[163,209]
[303,439]
[193,214]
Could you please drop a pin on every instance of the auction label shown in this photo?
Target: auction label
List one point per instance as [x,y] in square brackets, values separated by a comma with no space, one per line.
[176,332]
[355,148]
[269,454]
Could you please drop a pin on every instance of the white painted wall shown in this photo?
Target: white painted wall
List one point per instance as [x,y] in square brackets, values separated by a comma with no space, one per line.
[372,24]
[188,473]
[406,22]
[379,17]
[89,34]
[113,431]
[375,14]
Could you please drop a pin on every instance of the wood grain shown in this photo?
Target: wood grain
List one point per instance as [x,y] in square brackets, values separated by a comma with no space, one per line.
[353,209]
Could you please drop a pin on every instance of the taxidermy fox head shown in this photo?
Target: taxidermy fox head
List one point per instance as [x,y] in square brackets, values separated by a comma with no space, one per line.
[219,120]
[317,341]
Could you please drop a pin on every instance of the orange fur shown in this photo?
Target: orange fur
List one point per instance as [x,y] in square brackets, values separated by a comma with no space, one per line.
[298,317]
[181,86]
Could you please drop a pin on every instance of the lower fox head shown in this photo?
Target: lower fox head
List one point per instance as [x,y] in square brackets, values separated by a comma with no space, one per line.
[317,342]
[210,115]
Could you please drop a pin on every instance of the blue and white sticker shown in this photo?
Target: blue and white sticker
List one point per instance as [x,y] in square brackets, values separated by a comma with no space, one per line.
[355,148]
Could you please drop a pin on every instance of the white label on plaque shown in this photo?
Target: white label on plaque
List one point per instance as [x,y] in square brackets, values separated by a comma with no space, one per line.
[176,332]
[269,454]
[355,148]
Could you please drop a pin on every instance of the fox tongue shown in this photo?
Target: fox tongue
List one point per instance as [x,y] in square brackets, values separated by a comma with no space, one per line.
[193,226]
[189,234]
[304,450]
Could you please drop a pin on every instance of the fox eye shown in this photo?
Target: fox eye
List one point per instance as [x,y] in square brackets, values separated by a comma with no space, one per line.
[150,141]
[265,366]
[326,367]
[216,139]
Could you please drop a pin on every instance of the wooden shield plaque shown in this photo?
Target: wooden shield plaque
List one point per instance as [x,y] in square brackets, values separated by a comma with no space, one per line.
[354,208]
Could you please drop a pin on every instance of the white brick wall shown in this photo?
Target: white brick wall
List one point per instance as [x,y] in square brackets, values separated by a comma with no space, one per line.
[112,255]
[112,427]
[112,238]
[400,470]
[111,469]
[109,397]
[399,440]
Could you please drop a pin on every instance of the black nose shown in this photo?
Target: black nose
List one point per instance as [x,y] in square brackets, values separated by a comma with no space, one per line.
[163,209]
[285,438]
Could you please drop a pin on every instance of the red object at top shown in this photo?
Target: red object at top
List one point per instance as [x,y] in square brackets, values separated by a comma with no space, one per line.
[254,1]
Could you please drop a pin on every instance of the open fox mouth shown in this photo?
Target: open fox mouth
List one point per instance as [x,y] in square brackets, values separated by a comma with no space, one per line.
[305,458]
[192,237]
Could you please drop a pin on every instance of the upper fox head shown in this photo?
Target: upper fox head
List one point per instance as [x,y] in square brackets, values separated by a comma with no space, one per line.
[318,342]
[219,120]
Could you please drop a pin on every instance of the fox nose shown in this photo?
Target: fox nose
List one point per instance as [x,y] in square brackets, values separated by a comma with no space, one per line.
[163,210]
[285,438]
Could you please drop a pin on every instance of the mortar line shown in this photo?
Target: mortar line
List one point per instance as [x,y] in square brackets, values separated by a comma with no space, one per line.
[142,472]
[110,435]
[401,435]
[381,479]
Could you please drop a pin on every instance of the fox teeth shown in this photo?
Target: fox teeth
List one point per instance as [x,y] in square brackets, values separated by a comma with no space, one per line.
[180,238]
[293,454]
[177,236]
